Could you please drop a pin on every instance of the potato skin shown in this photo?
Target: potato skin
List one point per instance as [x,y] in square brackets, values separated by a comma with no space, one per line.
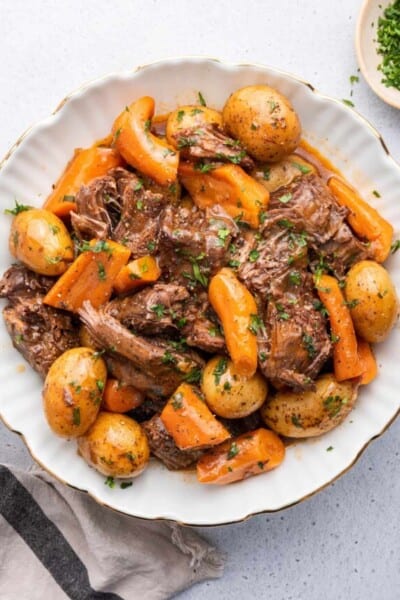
[116,446]
[40,240]
[231,395]
[263,120]
[310,413]
[188,117]
[370,289]
[73,391]
[282,173]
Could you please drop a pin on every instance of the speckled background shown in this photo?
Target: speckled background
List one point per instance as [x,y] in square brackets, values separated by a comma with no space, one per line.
[344,543]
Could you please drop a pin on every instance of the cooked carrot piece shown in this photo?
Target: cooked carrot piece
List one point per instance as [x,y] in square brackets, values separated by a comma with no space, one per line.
[140,148]
[136,274]
[237,311]
[252,453]
[84,166]
[90,277]
[120,398]
[368,361]
[238,193]
[346,362]
[190,422]
[364,219]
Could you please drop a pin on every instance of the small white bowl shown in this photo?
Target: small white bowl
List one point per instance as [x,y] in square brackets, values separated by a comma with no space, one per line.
[35,162]
[366,48]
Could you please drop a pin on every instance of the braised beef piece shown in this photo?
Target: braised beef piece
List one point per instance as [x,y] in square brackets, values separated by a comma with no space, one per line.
[41,333]
[161,366]
[126,371]
[313,210]
[163,446]
[193,244]
[209,142]
[92,218]
[293,343]
[201,328]
[153,310]
[140,214]
[18,280]
[243,425]
[147,409]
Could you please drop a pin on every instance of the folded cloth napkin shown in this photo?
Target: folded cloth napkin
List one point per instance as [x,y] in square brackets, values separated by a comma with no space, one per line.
[58,543]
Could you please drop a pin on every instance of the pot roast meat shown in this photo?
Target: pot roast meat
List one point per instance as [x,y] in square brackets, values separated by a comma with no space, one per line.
[153,310]
[210,143]
[19,281]
[140,213]
[92,218]
[41,333]
[294,343]
[201,328]
[156,360]
[163,446]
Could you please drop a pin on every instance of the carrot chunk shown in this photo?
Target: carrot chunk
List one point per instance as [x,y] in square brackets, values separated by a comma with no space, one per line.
[120,398]
[346,362]
[364,219]
[249,454]
[238,193]
[236,309]
[368,361]
[136,274]
[190,422]
[84,166]
[90,277]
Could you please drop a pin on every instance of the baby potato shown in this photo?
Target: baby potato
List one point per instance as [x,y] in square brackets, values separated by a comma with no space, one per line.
[263,120]
[73,391]
[231,395]
[40,240]
[280,174]
[189,117]
[115,445]
[372,300]
[310,413]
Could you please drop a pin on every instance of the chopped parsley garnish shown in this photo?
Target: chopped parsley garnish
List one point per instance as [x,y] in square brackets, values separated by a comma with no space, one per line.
[68,198]
[100,385]
[395,246]
[147,125]
[296,421]
[202,102]
[99,246]
[151,246]
[196,111]
[351,303]
[223,233]
[177,401]
[76,416]
[98,353]
[285,198]
[110,482]
[333,404]
[285,223]
[168,358]
[139,204]
[19,338]
[263,356]
[159,309]
[382,294]
[53,260]
[54,229]
[329,448]
[234,264]
[254,255]
[220,369]
[117,134]
[282,314]
[388,36]
[302,168]
[125,484]
[138,186]
[308,343]
[101,272]
[227,386]
[186,142]
[376,193]
[193,376]
[233,451]
[130,456]
[204,167]
[198,275]
[144,267]
[354,79]
[266,173]
[17,209]
[347,102]
[318,305]
[179,116]
[181,322]
[262,216]
[295,277]
[214,331]
[334,338]
[256,324]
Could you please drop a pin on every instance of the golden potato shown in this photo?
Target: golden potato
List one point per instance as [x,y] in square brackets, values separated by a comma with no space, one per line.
[372,300]
[188,117]
[280,174]
[310,413]
[73,391]
[263,120]
[115,445]
[40,240]
[231,395]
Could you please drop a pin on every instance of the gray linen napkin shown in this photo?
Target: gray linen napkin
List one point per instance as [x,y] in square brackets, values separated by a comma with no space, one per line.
[58,543]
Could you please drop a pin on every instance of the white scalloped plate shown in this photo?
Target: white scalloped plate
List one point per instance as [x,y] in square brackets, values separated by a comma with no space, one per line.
[27,174]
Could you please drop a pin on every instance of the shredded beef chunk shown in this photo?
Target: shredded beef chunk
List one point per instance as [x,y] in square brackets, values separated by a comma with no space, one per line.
[209,142]
[200,325]
[193,244]
[163,446]
[161,366]
[140,214]
[19,281]
[41,333]
[293,344]
[92,217]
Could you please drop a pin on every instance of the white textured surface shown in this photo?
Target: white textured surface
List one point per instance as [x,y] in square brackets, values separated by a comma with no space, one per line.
[344,542]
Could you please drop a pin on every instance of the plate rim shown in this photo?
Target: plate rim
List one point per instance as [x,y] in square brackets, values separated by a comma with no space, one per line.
[126,72]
